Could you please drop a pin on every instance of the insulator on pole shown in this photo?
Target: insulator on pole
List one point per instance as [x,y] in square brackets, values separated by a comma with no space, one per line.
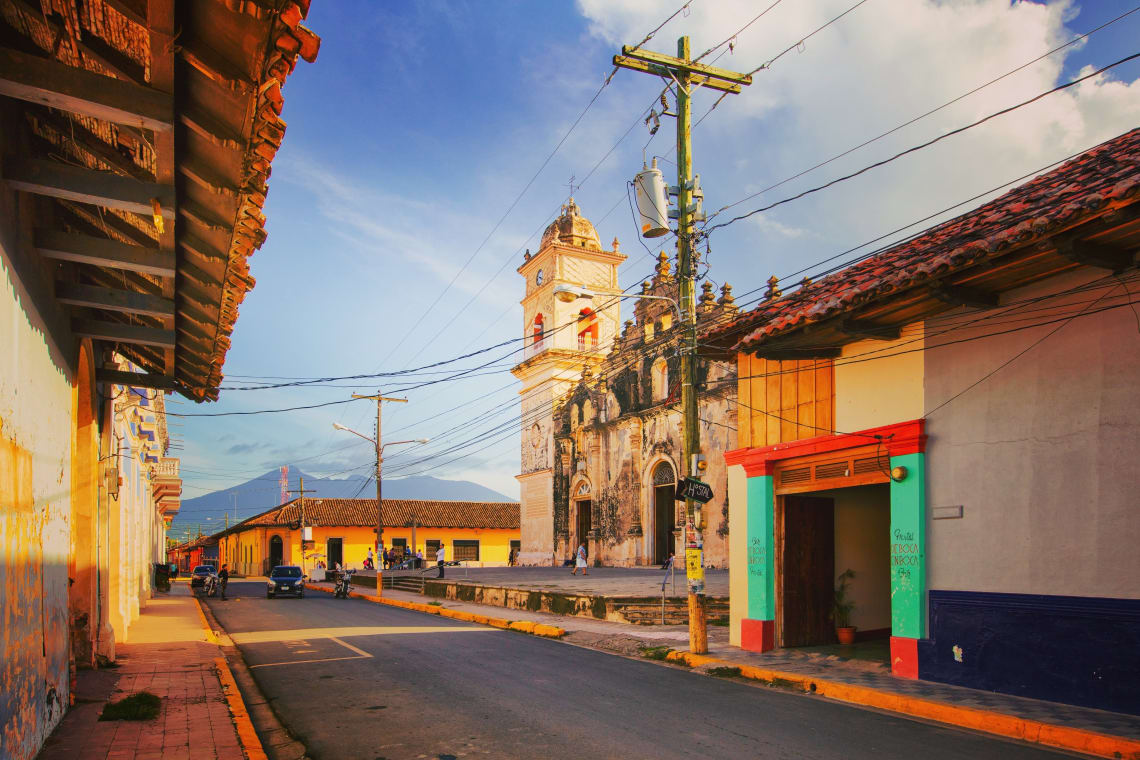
[652,203]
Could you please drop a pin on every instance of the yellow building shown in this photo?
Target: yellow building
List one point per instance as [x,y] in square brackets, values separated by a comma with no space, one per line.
[481,534]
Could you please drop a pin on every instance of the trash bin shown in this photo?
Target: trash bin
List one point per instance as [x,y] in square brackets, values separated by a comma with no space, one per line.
[162,576]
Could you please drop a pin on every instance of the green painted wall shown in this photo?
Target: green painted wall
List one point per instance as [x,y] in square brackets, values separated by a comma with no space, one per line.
[908,548]
[761,551]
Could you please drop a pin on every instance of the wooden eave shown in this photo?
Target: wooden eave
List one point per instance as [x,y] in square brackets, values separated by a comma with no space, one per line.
[1117,232]
[124,103]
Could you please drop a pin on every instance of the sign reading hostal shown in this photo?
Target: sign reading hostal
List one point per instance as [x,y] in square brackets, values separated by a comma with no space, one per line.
[691,488]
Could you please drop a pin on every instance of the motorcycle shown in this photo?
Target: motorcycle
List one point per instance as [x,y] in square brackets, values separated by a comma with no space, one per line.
[343,585]
[210,585]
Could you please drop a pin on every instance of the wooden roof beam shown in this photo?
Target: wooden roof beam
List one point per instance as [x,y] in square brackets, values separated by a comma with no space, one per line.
[91,142]
[796,354]
[1097,255]
[137,379]
[57,180]
[104,252]
[961,295]
[123,333]
[867,331]
[126,301]
[55,84]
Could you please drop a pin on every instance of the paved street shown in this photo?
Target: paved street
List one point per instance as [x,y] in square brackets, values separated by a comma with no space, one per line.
[358,680]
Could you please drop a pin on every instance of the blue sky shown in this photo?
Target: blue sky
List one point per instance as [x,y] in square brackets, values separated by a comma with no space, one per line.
[420,123]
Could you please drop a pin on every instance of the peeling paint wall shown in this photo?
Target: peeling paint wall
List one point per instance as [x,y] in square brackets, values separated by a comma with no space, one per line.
[35,488]
[611,454]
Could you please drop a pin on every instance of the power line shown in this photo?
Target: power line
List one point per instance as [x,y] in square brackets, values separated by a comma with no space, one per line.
[768,64]
[926,144]
[522,192]
[932,111]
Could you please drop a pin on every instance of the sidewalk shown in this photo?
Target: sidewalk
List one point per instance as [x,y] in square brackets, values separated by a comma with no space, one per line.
[170,655]
[1079,729]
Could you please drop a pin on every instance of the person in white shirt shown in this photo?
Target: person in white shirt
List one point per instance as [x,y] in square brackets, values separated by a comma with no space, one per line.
[439,560]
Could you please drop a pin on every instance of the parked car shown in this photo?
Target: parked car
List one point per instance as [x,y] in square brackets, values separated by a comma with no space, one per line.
[200,574]
[285,579]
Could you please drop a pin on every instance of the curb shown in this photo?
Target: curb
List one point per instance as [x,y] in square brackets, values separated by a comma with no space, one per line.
[210,635]
[250,744]
[247,735]
[998,724]
[522,626]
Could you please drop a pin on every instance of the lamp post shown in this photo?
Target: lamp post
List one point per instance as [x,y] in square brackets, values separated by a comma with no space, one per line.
[379,472]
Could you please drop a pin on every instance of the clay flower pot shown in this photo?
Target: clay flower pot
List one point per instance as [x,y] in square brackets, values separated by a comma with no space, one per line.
[846,635]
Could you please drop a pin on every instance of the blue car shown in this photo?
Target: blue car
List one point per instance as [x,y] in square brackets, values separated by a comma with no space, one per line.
[286,579]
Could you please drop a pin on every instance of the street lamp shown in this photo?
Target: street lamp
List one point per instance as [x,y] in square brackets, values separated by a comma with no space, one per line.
[379,470]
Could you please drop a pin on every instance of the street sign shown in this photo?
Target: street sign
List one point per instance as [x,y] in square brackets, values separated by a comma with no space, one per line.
[691,488]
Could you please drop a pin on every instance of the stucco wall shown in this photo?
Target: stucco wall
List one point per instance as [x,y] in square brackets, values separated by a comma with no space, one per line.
[737,547]
[876,383]
[1041,456]
[36,431]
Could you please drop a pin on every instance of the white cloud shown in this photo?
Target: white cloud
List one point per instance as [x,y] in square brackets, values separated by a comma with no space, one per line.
[883,64]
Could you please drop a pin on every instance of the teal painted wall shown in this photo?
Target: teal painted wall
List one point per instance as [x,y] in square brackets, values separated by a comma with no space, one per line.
[908,548]
[761,550]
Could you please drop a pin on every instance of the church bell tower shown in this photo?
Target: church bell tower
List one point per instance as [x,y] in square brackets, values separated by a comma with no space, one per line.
[563,334]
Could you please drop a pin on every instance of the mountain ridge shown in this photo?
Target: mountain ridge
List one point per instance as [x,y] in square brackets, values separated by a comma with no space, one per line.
[214,510]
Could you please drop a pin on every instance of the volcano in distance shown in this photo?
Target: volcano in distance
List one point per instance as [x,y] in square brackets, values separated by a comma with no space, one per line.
[264,492]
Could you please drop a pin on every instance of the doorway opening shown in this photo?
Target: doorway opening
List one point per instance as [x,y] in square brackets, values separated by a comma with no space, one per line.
[664,511]
[584,524]
[276,552]
[335,551]
[820,536]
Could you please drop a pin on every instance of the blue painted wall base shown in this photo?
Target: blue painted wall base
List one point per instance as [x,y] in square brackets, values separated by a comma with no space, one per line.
[1078,650]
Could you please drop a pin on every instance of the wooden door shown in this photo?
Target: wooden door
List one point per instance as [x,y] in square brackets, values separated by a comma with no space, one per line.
[276,552]
[808,570]
[335,551]
[663,519]
[584,523]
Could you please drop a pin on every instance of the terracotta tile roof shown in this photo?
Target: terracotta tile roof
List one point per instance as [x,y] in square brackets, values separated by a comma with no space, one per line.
[232,60]
[1104,178]
[503,515]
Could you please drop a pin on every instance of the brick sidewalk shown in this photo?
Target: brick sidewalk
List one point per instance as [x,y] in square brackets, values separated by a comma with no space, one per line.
[169,655]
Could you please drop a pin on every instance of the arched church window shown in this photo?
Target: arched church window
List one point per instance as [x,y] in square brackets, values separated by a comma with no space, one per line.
[587,330]
[660,379]
[663,475]
[539,331]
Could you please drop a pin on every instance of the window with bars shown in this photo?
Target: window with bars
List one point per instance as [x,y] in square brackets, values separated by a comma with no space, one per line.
[465,550]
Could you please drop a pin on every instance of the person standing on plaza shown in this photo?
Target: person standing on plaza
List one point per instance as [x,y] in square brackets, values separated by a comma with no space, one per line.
[580,560]
[370,566]
[439,555]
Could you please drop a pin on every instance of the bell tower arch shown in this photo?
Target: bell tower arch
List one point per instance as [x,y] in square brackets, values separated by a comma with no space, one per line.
[562,335]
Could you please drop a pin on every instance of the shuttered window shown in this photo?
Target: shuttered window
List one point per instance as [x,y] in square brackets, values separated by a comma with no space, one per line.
[853,467]
[465,550]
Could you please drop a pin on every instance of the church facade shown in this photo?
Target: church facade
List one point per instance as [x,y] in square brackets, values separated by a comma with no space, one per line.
[601,417]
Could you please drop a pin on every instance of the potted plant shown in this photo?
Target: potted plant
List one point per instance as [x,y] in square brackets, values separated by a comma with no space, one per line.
[842,608]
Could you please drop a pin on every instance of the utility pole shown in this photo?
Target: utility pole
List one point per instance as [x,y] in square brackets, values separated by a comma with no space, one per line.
[687,75]
[301,491]
[380,399]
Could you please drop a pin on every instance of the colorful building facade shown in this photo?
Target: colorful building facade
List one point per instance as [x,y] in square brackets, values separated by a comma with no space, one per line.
[332,531]
[950,419]
[118,284]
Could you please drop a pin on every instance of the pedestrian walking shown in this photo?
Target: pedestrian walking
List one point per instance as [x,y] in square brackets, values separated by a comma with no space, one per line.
[439,555]
[369,564]
[580,560]
[224,578]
